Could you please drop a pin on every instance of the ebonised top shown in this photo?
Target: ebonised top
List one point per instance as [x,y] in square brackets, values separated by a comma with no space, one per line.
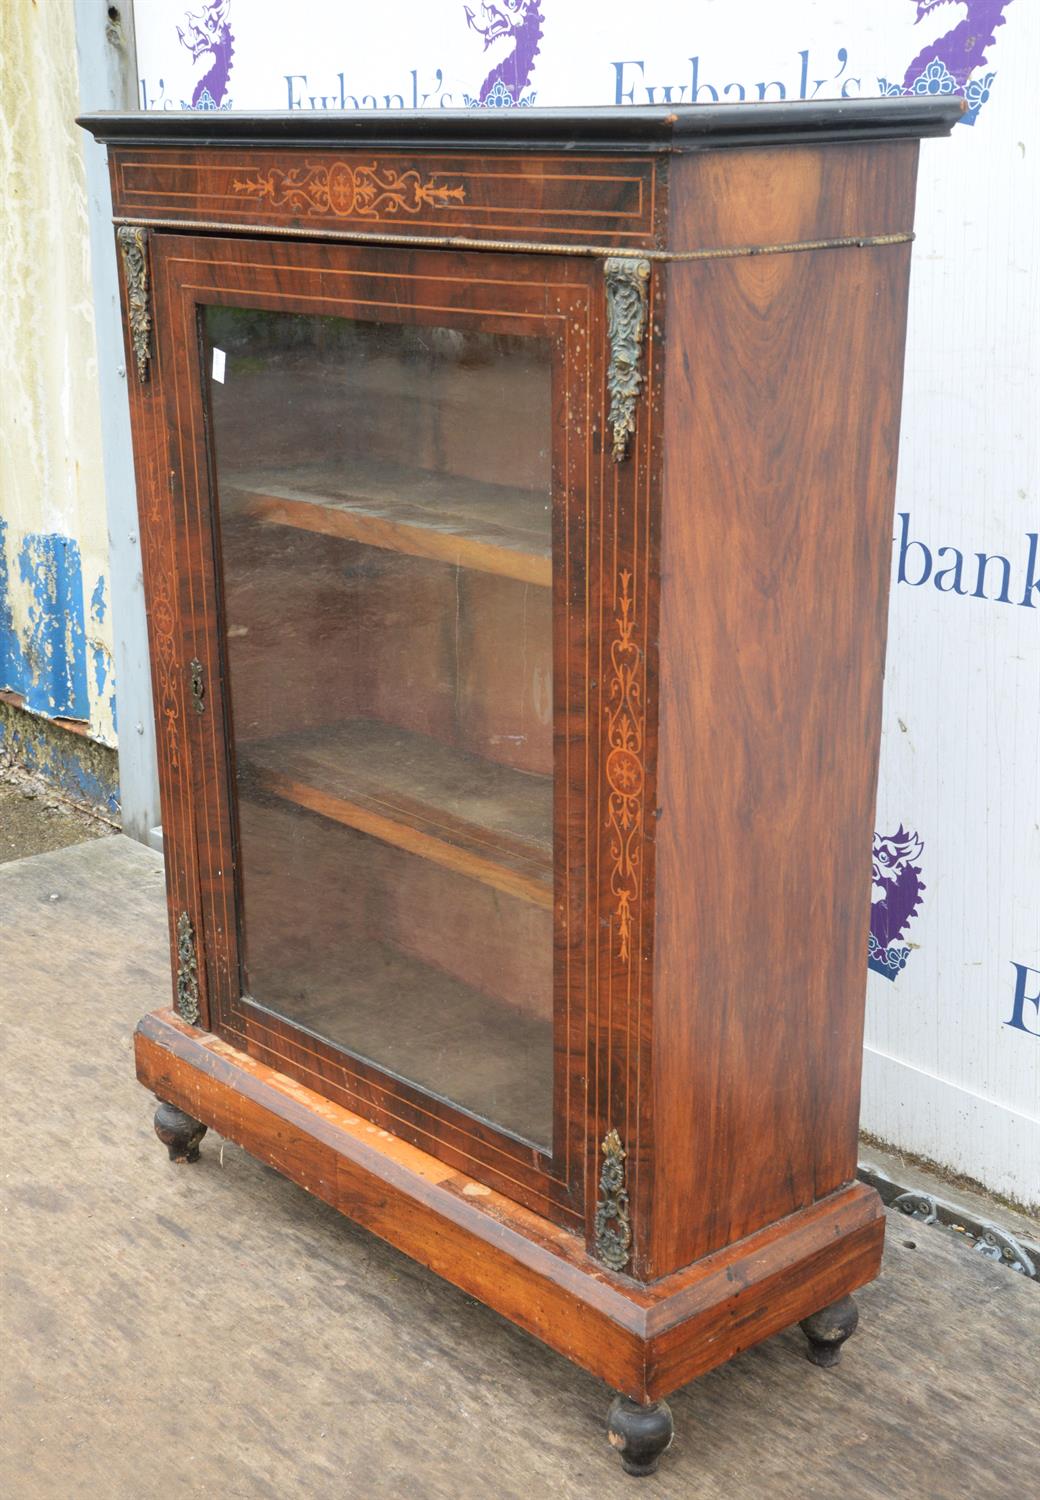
[661,128]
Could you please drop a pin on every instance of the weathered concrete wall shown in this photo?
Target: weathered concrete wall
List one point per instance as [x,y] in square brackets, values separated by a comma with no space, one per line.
[55,618]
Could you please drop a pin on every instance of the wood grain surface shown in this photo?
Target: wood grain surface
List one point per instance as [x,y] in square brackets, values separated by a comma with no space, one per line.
[781,428]
[777,195]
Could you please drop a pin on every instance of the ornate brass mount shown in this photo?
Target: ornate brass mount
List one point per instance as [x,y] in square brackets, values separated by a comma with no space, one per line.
[613,1228]
[628,283]
[187,971]
[133,244]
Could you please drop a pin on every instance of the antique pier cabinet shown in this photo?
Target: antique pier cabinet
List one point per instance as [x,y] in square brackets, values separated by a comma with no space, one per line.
[515,496]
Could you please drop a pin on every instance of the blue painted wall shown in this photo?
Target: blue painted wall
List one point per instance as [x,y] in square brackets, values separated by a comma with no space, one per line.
[46,662]
[46,652]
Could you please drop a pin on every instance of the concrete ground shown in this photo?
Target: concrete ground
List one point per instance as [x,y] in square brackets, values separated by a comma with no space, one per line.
[35,818]
[213,1331]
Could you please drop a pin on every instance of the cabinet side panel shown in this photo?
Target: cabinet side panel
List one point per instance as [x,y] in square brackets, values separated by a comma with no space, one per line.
[777,195]
[783,386]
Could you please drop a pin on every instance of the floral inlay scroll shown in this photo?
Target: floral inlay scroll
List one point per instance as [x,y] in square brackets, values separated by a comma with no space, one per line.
[624,765]
[368,191]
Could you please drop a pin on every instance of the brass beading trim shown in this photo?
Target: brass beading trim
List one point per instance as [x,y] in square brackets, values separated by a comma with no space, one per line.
[527,247]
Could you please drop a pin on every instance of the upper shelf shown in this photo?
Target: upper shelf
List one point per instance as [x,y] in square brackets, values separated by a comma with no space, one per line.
[664,127]
[491,528]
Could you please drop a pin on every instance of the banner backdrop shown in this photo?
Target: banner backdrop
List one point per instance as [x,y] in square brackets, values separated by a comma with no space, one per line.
[952,1066]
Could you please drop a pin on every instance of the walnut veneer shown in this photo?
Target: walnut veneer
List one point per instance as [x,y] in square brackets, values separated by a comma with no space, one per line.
[582,727]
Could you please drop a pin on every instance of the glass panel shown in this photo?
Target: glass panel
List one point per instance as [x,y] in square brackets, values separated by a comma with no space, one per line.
[385,515]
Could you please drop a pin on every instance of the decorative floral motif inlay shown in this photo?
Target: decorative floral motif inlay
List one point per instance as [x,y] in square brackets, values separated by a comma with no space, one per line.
[163,616]
[624,766]
[613,1229]
[368,191]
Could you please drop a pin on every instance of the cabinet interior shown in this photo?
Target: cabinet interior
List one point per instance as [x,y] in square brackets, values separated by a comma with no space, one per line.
[385,501]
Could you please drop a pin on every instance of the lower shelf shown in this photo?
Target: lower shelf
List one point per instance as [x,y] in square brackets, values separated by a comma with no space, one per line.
[644,1340]
[464,813]
[431,1029]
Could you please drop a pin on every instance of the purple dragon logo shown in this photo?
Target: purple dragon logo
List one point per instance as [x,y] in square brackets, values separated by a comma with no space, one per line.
[946,66]
[204,32]
[895,897]
[512,30]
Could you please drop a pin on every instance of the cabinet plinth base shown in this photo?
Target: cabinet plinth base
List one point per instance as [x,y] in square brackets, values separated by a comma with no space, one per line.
[644,1340]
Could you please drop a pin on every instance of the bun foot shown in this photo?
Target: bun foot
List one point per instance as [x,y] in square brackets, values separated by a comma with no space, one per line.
[179,1133]
[639,1433]
[828,1329]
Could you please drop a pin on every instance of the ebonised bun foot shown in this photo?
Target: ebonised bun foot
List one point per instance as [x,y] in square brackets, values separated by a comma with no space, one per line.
[828,1329]
[639,1433]
[179,1133]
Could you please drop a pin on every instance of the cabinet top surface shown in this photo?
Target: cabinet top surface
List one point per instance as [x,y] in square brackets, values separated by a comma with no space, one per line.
[662,128]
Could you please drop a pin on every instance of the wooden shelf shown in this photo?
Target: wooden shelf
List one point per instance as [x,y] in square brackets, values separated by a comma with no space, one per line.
[489,527]
[470,815]
[429,1028]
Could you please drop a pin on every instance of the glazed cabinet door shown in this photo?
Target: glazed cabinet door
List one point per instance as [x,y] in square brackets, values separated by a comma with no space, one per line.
[379,469]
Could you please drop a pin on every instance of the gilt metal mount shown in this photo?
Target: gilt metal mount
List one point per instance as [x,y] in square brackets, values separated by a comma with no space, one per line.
[613,1229]
[187,971]
[628,283]
[133,241]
